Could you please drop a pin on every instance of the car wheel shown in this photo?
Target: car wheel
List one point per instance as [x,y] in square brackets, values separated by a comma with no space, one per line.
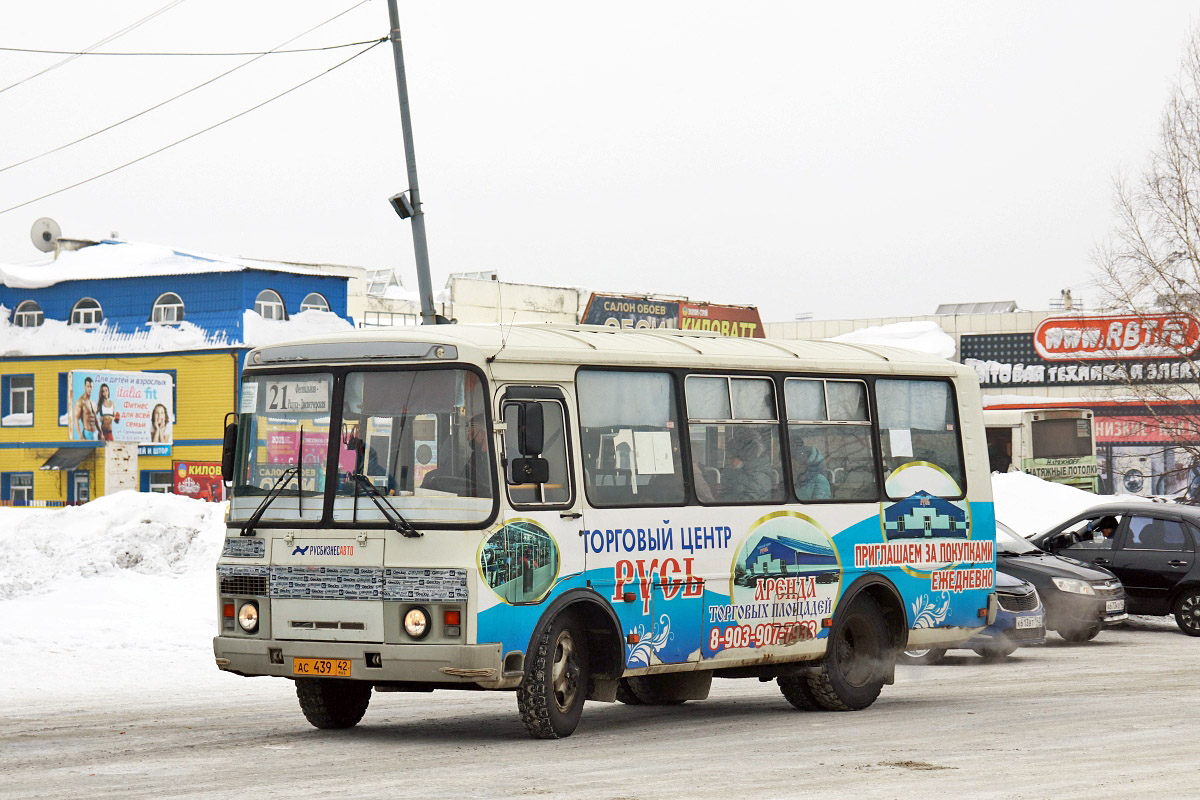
[652,690]
[626,695]
[1187,612]
[1080,634]
[996,650]
[930,655]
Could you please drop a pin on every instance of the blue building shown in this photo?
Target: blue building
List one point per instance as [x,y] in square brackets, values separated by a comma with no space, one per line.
[135,287]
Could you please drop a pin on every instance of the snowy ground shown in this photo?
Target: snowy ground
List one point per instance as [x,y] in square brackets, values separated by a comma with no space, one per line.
[118,596]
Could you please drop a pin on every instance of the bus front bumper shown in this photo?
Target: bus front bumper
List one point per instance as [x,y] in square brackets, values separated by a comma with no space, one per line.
[449,664]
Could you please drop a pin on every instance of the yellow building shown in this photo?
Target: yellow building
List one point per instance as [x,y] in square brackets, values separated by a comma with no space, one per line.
[40,465]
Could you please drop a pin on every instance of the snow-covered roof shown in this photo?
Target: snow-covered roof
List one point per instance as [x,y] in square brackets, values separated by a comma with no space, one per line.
[117,259]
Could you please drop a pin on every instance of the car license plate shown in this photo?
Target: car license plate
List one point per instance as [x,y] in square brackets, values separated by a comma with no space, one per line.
[323,667]
[1029,622]
[1114,605]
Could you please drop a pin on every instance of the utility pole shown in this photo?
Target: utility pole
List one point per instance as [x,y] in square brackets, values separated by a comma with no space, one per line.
[411,206]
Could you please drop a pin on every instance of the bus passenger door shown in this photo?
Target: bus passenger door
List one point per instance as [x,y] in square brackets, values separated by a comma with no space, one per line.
[535,551]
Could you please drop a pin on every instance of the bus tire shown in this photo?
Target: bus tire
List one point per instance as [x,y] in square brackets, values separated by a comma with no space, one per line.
[923,657]
[551,695]
[333,703]
[654,690]
[853,671]
[797,692]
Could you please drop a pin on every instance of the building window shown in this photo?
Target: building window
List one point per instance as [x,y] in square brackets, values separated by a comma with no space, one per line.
[28,315]
[87,312]
[157,480]
[269,305]
[16,488]
[168,309]
[314,301]
[16,400]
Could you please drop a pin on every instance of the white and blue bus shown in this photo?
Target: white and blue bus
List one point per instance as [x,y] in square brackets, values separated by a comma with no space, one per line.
[586,513]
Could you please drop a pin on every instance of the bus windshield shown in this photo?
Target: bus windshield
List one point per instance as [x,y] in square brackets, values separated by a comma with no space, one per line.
[420,437]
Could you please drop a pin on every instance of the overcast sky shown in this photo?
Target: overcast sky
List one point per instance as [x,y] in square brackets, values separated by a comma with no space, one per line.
[842,159]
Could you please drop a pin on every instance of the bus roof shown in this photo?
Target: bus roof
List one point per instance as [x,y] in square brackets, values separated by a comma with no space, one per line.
[595,344]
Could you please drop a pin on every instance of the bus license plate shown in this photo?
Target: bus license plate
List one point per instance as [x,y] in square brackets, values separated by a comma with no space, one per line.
[323,667]
[1114,605]
[1029,622]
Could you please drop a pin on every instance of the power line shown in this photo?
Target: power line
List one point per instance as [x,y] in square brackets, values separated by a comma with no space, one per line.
[236,53]
[193,135]
[111,37]
[189,91]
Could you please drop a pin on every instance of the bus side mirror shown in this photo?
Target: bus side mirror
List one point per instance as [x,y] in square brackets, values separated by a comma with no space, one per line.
[534,469]
[531,430]
[228,451]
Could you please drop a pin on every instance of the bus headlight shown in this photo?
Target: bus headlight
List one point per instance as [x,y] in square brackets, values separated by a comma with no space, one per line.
[248,617]
[416,623]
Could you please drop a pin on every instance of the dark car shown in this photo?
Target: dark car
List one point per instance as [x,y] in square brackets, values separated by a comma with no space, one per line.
[1151,547]
[1020,620]
[1079,599]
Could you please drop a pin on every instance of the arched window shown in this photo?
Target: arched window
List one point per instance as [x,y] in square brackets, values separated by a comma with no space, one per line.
[314,302]
[87,312]
[269,305]
[28,315]
[168,309]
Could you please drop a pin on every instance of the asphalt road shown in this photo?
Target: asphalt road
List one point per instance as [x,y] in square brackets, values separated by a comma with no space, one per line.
[1112,718]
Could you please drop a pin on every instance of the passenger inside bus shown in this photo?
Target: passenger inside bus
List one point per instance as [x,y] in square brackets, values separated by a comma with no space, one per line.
[749,477]
[808,468]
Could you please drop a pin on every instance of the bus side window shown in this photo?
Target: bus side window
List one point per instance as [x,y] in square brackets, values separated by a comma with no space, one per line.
[630,438]
[734,430]
[919,424]
[829,440]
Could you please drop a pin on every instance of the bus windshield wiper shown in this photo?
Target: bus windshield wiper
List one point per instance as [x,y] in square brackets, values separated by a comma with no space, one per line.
[276,490]
[394,517]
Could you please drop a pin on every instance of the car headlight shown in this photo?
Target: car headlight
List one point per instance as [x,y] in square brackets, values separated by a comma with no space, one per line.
[248,617]
[1074,585]
[416,623]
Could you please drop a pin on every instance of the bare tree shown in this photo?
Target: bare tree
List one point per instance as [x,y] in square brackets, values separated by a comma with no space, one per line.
[1151,265]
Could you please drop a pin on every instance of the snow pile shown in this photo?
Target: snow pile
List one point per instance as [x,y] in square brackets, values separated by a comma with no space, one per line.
[921,337]
[56,337]
[1029,505]
[127,532]
[118,259]
[257,332]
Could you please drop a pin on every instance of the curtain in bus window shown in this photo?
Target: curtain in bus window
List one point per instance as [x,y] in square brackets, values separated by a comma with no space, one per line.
[918,424]
[847,400]
[630,438]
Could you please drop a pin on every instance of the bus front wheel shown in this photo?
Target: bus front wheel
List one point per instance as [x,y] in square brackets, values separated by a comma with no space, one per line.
[551,695]
[333,703]
[853,672]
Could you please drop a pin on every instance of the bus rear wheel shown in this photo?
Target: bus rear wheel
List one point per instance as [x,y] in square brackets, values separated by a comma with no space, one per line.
[853,672]
[332,703]
[551,695]
[796,691]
